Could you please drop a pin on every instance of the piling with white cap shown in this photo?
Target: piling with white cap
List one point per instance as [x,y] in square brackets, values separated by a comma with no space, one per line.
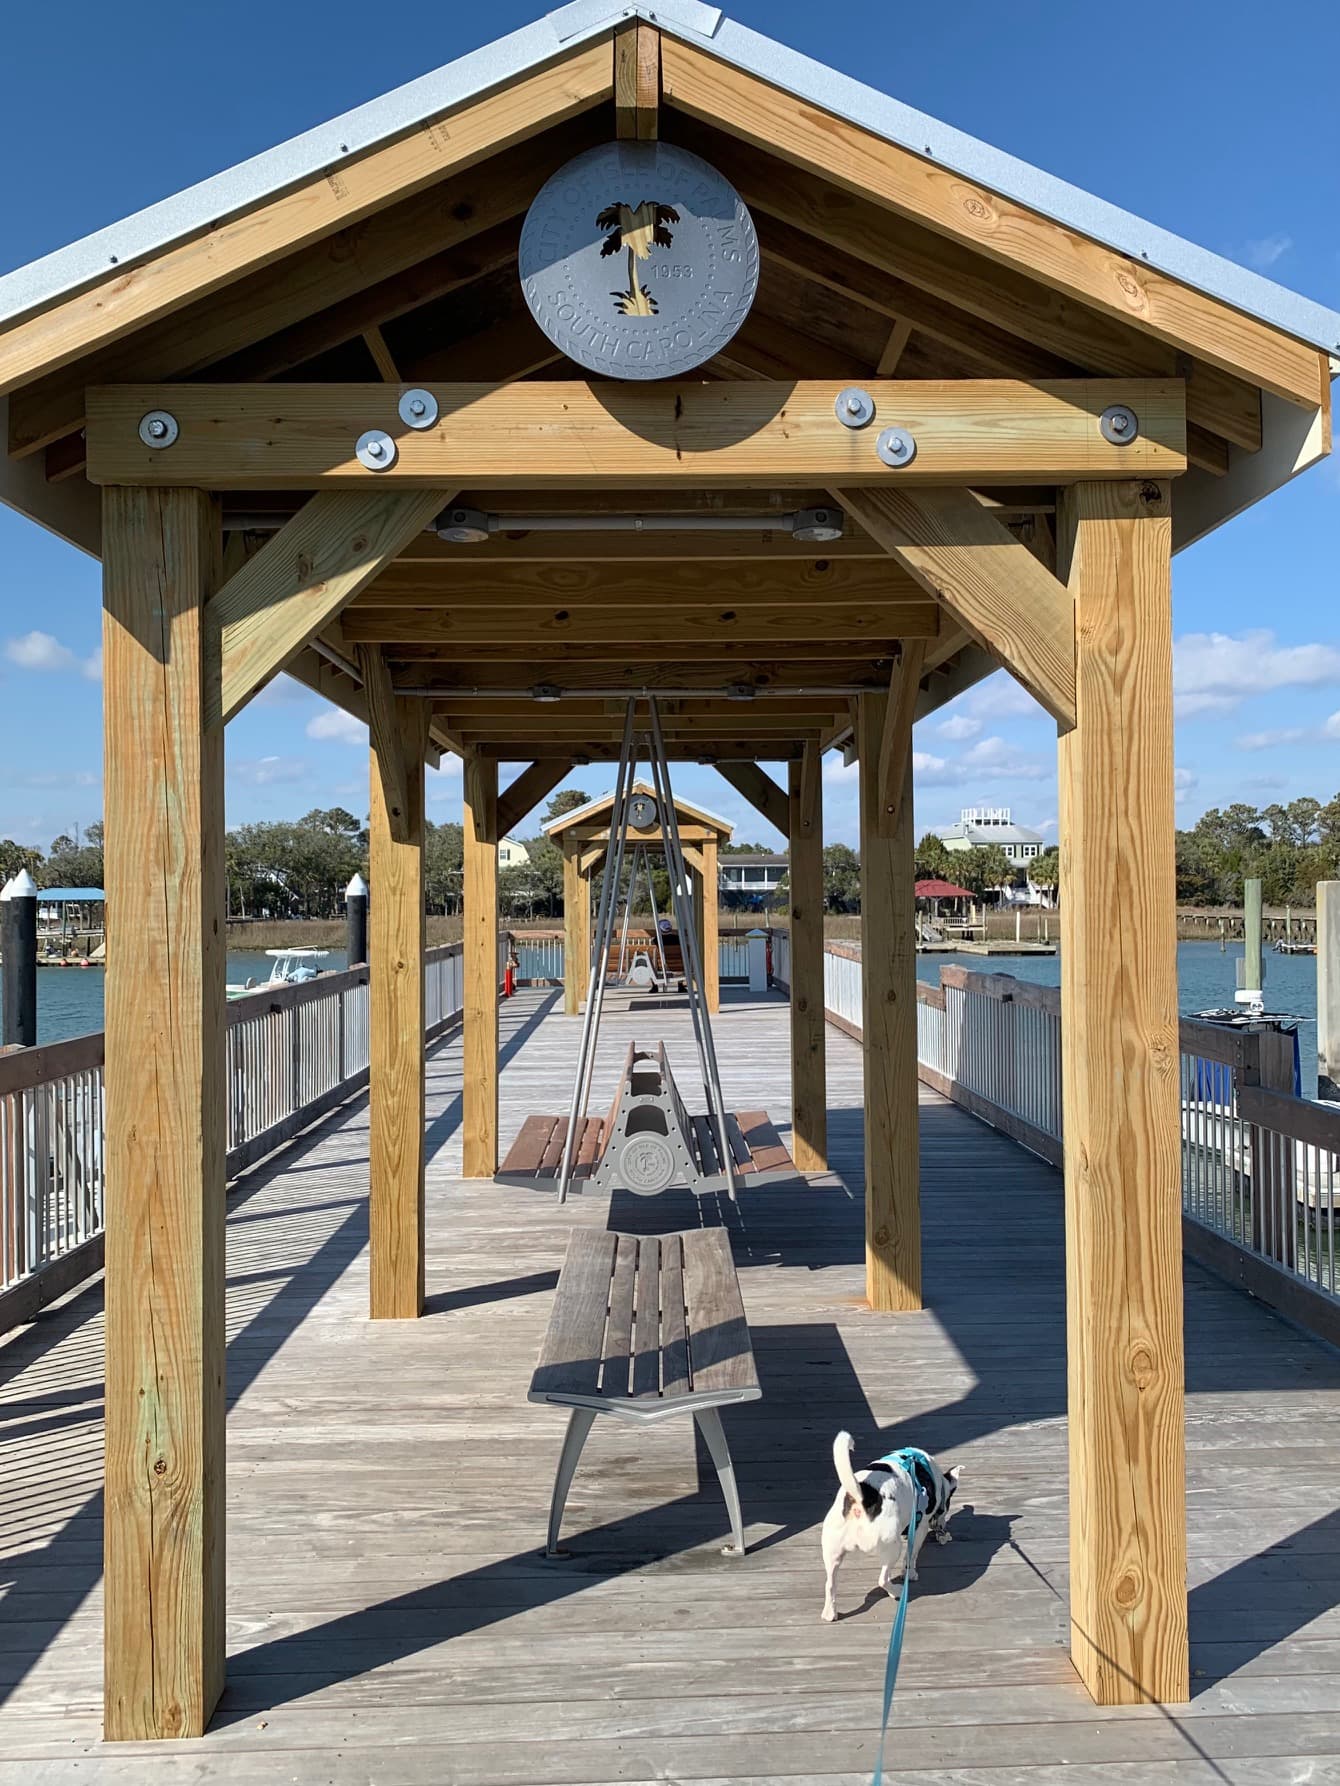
[18,948]
[356,905]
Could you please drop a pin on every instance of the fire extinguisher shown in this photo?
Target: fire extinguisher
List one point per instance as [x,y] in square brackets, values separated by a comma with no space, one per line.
[768,957]
[509,973]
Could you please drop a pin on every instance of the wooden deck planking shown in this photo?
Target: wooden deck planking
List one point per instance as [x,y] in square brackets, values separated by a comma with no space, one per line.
[390,1618]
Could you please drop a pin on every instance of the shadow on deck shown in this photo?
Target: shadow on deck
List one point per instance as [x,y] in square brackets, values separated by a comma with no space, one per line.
[390,1614]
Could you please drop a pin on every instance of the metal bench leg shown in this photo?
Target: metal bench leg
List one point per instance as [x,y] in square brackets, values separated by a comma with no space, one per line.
[709,1424]
[579,1424]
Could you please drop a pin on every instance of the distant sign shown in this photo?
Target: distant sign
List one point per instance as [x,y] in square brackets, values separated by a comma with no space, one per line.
[639,260]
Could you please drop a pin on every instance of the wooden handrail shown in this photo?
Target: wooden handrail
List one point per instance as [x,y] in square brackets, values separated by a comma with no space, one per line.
[22,1069]
[1316,1125]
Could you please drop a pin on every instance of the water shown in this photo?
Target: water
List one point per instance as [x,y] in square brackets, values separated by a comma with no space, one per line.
[1206,980]
[69,999]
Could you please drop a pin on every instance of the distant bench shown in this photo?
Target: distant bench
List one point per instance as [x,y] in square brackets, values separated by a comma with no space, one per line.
[648,1141]
[643,1328]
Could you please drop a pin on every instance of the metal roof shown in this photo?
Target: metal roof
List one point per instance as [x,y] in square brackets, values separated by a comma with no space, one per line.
[203,206]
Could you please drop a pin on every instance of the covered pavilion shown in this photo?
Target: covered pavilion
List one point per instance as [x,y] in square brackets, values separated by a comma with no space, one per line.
[1069,395]
[583,835]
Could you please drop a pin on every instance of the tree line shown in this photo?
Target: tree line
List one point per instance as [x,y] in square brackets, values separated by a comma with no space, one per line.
[299,868]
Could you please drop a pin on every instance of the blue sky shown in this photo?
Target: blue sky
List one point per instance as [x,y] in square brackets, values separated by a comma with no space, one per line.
[1193,116]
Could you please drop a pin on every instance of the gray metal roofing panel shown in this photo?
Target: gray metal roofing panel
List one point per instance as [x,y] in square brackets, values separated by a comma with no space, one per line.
[200,206]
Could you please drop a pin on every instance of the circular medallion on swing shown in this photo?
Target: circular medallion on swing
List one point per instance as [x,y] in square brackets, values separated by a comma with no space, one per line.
[639,260]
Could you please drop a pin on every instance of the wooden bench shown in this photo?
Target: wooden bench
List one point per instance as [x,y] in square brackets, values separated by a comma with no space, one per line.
[643,1328]
[648,1141]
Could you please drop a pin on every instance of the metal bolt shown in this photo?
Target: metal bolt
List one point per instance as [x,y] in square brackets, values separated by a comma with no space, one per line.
[375,450]
[855,408]
[1118,424]
[896,446]
[158,428]
[418,408]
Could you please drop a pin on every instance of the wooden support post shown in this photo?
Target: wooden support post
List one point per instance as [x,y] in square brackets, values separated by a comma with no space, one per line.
[809,1073]
[1328,990]
[399,737]
[479,1140]
[1121,1105]
[576,928]
[709,936]
[165,1141]
[888,1028]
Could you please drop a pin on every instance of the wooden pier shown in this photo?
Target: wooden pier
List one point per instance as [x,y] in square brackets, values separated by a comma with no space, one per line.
[391,1619]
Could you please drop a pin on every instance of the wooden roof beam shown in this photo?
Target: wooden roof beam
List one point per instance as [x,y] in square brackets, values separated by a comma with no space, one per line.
[967,432]
[991,584]
[537,628]
[521,798]
[761,791]
[992,226]
[637,82]
[452,675]
[947,290]
[283,596]
[128,299]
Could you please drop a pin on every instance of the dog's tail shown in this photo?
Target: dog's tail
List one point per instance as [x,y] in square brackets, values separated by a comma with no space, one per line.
[843,1446]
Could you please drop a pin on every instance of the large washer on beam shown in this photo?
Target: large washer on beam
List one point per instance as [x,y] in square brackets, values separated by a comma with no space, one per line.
[639,260]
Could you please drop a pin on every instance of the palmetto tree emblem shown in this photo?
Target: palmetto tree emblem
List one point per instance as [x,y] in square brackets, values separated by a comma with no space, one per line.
[637,230]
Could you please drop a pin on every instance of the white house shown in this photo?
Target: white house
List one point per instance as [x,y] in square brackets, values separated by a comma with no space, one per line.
[980,826]
[753,878]
[512,854]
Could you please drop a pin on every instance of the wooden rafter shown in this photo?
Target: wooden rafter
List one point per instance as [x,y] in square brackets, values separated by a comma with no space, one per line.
[540,628]
[452,672]
[996,228]
[279,600]
[893,264]
[637,81]
[525,793]
[895,746]
[474,581]
[761,791]
[92,318]
[992,585]
[282,436]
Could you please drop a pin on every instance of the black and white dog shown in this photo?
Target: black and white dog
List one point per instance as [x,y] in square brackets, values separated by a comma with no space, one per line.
[874,1509]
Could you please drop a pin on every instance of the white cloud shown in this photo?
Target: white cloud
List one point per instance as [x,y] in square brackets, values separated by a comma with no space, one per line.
[1001,697]
[56,778]
[283,691]
[840,774]
[992,759]
[40,651]
[1266,250]
[334,723]
[1214,672]
[1269,740]
[1183,782]
[266,772]
[1331,729]
[959,727]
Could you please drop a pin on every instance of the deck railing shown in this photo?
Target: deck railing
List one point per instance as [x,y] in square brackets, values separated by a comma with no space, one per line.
[292,1053]
[540,954]
[1260,1166]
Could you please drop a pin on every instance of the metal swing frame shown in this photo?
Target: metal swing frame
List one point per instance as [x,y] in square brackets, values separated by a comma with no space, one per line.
[682,912]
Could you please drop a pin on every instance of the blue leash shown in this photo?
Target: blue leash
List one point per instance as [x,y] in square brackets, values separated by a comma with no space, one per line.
[903,1458]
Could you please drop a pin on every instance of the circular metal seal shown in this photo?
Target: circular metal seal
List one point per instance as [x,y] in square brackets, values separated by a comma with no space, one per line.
[646,1164]
[642,812]
[639,260]
[896,446]
[376,450]
[1119,425]
[158,428]
[418,409]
